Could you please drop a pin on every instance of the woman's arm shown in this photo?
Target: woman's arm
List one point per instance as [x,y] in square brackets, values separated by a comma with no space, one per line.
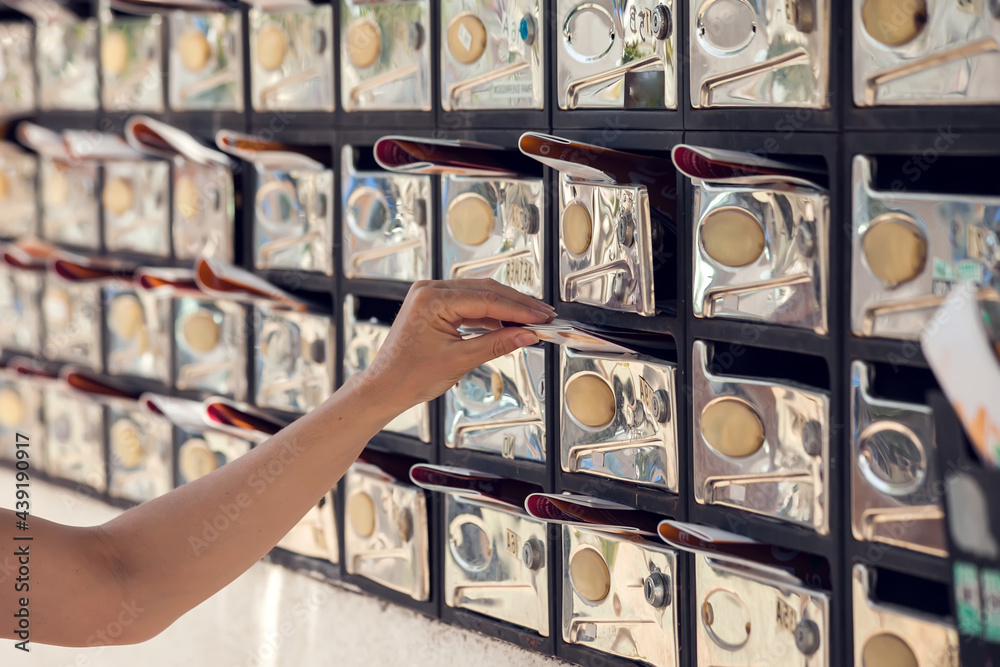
[156,561]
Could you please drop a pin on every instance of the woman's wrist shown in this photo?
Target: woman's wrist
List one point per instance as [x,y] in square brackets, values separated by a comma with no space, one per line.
[379,401]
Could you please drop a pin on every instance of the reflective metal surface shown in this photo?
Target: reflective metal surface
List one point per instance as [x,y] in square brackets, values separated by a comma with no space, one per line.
[362,341]
[959,236]
[294,357]
[21,412]
[619,54]
[21,303]
[204,210]
[512,251]
[222,447]
[385,55]
[291,59]
[615,270]
[749,616]
[141,454]
[136,206]
[293,220]
[139,333]
[787,282]
[760,53]
[639,443]
[896,493]
[496,563]
[74,437]
[891,634]
[17,85]
[926,53]
[316,534]
[210,346]
[206,61]
[18,191]
[71,319]
[131,56]
[785,475]
[385,538]
[69,202]
[66,57]
[509,72]
[624,620]
[388,223]
[500,407]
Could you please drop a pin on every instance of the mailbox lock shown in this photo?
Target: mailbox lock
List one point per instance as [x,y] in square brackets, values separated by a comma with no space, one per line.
[812,438]
[620,286]
[807,636]
[532,554]
[661,406]
[626,229]
[526,30]
[661,22]
[656,588]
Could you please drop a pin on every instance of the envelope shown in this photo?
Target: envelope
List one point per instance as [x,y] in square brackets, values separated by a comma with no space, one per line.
[206,60]
[911,250]
[760,445]
[895,481]
[291,57]
[18,191]
[66,56]
[616,56]
[17,88]
[614,237]
[294,359]
[74,437]
[388,222]
[618,417]
[925,53]
[131,63]
[493,55]
[386,536]
[204,206]
[210,346]
[892,634]
[499,407]
[769,53]
[385,59]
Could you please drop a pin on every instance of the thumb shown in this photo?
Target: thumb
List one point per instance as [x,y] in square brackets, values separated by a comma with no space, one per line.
[498,343]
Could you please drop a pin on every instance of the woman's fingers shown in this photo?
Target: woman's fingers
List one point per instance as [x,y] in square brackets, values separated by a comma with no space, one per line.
[503,290]
[496,344]
[461,305]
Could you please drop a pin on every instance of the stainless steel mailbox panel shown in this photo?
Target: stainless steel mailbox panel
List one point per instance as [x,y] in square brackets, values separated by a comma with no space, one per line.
[294,358]
[760,445]
[388,223]
[751,617]
[71,318]
[385,55]
[18,192]
[508,244]
[70,211]
[385,538]
[139,333]
[492,54]
[895,485]
[74,437]
[926,52]
[206,61]
[499,407]
[210,346]
[893,633]
[620,596]
[141,454]
[760,53]
[293,220]
[638,441]
[17,86]
[136,205]
[943,239]
[131,57]
[21,420]
[616,54]
[787,282]
[66,55]
[291,59]
[316,534]
[496,563]
[21,303]
[204,210]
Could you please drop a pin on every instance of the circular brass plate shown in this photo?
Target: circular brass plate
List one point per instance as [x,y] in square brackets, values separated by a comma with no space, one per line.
[732,236]
[57,306]
[188,199]
[125,443]
[201,331]
[114,53]
[56,191]
[196,459]
[272,47]
[361,512]
[577,228]
[195,51]
[732,427]
[590,400]
[11,408]
[887,650]
[471,219]
[590,575]
[126,316]
[895,248]
[894,22]
[118,196]
[466,38]
[364,43]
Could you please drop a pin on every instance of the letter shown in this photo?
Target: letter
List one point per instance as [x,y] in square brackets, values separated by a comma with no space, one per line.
[115,629]
[23,550]
[220,522]
[23,571]
[948,135]
[23,623]
[22,613]
[231,510]
[911,169]
[23,560]
[23,634]
[258,484]
[23,646]
[21,588]
[275,468]
[772,145]
[23,602]
[931,156]
[243,500]
[197,544]
[286,628]
[785,125]
[291,456]
[210,534]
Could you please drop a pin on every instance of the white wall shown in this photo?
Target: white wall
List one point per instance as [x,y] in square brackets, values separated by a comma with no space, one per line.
[270,617]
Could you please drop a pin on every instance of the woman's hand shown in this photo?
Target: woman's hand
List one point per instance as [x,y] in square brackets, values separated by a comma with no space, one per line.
[424,353]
